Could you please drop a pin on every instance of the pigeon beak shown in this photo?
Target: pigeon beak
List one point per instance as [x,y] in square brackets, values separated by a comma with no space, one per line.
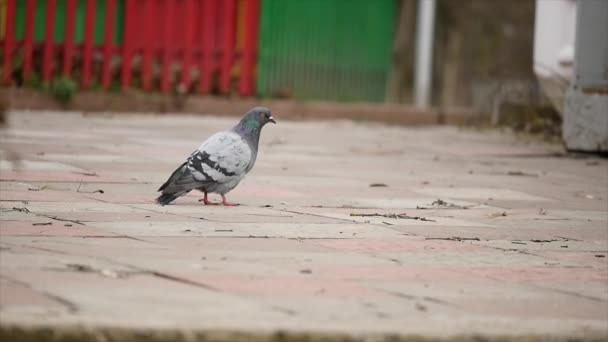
[271,119]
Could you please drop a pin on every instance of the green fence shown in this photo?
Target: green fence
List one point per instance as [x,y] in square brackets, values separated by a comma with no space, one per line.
[325,49]
[60,19]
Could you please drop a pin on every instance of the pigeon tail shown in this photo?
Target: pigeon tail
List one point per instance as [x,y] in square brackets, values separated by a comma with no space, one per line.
[165,199]
[179,183]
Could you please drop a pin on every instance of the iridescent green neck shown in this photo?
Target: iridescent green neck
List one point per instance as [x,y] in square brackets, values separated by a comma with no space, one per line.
[251,124]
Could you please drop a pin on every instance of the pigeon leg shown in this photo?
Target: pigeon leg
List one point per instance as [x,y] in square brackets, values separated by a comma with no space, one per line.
[206,201]
[226,203]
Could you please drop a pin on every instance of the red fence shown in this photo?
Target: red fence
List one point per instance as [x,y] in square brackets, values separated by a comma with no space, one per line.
[165,44]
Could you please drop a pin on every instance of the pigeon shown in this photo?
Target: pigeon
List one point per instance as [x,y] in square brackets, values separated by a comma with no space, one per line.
[220,163]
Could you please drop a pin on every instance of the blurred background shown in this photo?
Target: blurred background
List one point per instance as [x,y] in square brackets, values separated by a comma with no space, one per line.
[467,60]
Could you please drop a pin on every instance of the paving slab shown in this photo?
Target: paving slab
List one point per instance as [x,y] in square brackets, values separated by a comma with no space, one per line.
[347,231]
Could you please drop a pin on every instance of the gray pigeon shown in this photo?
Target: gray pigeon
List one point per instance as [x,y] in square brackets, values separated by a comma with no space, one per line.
[221,162]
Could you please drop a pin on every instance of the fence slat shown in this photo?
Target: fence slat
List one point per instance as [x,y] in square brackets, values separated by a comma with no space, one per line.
[207,44]
[188,42]
[246,84]
[167,59]
[148,40]
[87,56]
[108,43]
[49,29]
[128,42]
[68,42]
[9,41]
[28,39]
[228,39]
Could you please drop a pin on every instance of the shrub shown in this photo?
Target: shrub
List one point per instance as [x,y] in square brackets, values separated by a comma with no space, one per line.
[63,89]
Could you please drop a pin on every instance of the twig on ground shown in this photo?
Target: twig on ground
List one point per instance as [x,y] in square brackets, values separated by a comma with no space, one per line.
[454,238]
[403,216]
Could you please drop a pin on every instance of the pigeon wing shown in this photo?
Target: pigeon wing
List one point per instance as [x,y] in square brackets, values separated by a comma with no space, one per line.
[222,158]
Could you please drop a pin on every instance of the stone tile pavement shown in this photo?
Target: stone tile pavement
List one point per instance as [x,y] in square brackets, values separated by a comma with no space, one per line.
[349,228]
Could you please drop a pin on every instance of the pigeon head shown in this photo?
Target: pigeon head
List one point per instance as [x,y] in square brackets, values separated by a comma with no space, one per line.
[255,119]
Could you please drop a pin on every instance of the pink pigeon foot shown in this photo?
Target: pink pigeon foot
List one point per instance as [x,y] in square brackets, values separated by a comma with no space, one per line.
[207,201]
[226,203]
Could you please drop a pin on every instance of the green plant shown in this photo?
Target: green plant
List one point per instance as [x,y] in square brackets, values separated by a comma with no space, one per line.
[63,89]
[34,81]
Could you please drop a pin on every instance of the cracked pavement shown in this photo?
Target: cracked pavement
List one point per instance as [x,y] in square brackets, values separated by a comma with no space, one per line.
[344,227]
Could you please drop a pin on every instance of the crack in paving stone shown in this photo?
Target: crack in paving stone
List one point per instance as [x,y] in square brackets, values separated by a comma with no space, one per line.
[91,174]
[137,271]
[566,292]
[183,281]
[288,312]
[437,301]
[68,304]
[521,173]
[570,293]
[412,297]
[267,215]
[168,213]
[57,218]
[107,260]
[554,219]
[567,239]
[402,216]
[299,238]
[317,215]
[161,212]
[125,274]
[380,257]
[71,306]
[520,251]
[441,204]
[88,192]
[52,217]
[37,248]
[126,237]
[344,206]
[116,274]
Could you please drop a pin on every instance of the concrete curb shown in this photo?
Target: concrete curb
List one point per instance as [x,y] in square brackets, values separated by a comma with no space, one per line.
[137,101]
[81,333]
